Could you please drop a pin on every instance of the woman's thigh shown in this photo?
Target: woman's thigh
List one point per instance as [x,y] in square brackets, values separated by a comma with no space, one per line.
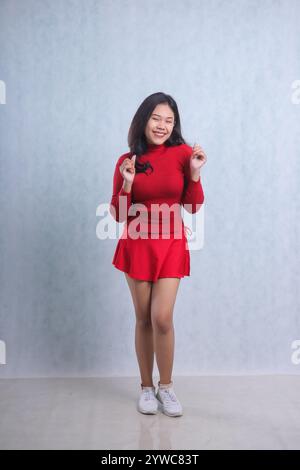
[141,297]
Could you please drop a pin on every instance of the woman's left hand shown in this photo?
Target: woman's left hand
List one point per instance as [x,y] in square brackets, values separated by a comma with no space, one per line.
[198,159]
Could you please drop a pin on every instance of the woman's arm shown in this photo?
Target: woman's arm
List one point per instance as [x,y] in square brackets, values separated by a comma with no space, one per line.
[193,195]
[121,194]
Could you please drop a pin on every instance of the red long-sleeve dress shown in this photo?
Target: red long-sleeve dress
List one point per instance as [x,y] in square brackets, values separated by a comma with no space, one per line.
[158,247]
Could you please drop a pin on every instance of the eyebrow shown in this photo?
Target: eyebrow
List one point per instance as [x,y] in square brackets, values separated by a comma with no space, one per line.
[169,117]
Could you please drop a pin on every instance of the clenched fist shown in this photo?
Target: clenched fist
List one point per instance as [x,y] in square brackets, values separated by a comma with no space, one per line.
[198,158]
[127,169]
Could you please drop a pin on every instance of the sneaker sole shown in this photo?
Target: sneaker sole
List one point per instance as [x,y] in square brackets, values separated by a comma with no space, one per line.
[154,412]
[175,415]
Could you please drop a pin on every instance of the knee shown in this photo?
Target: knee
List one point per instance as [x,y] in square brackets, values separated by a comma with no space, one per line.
[144,321]
[162,323]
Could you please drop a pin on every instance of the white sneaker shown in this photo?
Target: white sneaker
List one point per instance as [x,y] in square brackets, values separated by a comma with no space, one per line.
[148,403]
[170,403]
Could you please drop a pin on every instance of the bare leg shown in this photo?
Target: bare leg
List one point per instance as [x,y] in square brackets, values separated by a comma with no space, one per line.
[163,297]
[141,296]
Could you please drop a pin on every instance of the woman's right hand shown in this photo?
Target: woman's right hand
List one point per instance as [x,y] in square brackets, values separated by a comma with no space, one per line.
[127,169]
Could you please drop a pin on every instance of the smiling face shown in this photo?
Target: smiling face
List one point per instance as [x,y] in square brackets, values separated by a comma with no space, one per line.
[160,124]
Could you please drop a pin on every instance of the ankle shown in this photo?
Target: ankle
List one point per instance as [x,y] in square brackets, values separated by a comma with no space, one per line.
[165,385]
[147,385]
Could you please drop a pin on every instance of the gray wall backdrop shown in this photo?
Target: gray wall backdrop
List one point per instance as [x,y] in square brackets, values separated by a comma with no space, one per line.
[75,73]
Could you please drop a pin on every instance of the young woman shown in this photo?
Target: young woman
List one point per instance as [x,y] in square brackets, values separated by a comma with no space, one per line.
[161,170]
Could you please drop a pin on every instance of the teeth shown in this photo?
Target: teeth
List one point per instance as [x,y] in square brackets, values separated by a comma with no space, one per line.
[157,133]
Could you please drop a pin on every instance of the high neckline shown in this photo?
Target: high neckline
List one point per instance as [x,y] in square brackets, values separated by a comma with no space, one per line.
[155,147]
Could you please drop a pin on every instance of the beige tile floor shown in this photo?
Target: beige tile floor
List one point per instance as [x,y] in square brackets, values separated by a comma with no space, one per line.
[220,412]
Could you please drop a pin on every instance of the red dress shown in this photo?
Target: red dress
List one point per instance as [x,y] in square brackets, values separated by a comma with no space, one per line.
[161,248]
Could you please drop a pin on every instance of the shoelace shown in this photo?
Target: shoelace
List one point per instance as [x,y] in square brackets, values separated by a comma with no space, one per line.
[149,394]
[169,395]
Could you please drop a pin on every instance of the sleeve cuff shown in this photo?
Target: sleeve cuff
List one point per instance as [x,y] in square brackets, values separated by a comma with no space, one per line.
[124,193]
[192,182]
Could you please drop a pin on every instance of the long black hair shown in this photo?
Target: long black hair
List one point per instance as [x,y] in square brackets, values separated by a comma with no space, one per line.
[136,135]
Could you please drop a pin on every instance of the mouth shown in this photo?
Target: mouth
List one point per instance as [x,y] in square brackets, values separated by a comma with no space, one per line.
[159,134]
